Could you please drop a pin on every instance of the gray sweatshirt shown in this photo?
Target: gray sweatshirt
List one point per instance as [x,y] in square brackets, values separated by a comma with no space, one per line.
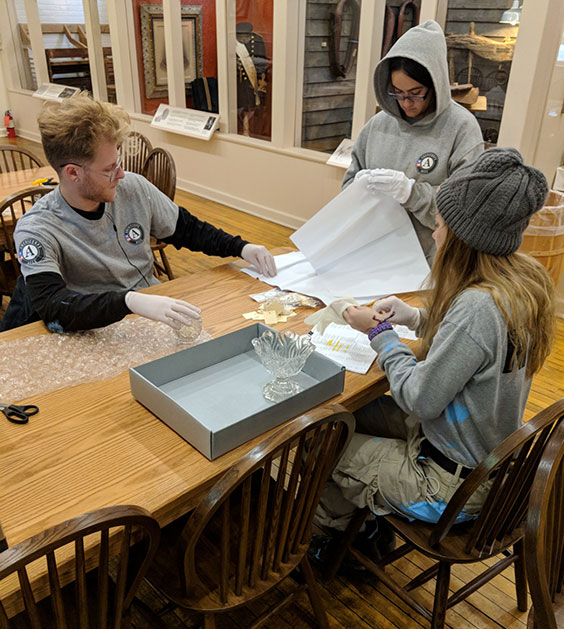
[463,393]
[427,150]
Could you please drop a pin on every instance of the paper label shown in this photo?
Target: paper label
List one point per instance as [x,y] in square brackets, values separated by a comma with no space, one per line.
[53,91]
[192,122]
[342,155]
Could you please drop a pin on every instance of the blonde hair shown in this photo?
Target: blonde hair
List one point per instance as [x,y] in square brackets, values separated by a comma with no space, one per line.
[520,286]
[73,129]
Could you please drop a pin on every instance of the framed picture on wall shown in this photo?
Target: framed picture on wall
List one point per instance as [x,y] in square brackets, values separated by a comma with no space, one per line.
[153,41]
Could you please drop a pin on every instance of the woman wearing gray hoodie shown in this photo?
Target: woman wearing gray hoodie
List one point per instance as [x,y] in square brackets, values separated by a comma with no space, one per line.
[421,136]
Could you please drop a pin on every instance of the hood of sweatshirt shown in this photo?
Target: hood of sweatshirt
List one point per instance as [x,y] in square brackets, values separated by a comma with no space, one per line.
[425,44]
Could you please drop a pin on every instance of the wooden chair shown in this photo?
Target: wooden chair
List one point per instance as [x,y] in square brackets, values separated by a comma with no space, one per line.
[253,528]
[64,553]
[11,209]
[544,538]
[160,170]
[499,527]
[17,158]
[134,152]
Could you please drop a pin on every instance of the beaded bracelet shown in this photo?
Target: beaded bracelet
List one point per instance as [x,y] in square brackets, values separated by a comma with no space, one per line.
[381,327]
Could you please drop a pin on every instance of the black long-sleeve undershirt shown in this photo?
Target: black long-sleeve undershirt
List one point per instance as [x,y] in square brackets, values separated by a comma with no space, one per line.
[64,310]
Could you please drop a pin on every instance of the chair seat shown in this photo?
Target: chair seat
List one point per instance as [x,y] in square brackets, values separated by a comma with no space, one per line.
[452,547]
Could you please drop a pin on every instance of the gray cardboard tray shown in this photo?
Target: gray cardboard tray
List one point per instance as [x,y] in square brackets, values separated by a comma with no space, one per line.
[211,394]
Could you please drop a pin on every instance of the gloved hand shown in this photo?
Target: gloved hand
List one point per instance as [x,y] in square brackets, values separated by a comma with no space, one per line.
[333,313]
[392,182]
[403,314]
[261,257]
[365,172]
[173,312]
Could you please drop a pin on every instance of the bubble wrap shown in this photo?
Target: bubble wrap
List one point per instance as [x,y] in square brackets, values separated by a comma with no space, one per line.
[61,360]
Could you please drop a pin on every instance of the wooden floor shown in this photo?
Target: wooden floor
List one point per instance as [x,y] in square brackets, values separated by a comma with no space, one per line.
[354,602]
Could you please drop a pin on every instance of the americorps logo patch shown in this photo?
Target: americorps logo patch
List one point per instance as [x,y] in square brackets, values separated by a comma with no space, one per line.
[31,251]
[427,162]
[134,233]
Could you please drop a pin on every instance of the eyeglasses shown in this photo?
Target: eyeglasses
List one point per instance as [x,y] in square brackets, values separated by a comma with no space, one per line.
[407,96]
[111,175]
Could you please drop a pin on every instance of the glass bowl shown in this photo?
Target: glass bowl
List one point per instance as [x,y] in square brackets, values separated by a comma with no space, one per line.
[283,355]
[189,333]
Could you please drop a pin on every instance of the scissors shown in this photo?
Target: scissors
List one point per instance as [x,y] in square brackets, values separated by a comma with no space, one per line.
[19,414]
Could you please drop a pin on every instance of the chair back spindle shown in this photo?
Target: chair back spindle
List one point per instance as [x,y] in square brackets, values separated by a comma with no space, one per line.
[544,537]
[134,152]
[11,209]
[511,466]
[160,170]
[68,558]
[16,158]
[257,518]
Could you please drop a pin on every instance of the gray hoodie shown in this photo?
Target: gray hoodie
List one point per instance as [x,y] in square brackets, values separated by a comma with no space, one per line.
[464,393]
[427,150]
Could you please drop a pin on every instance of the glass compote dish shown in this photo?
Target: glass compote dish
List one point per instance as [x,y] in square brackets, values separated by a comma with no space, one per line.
[283,355]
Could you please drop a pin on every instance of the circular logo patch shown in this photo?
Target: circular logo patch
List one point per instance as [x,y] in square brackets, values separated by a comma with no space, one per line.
[134,233]
[30,251]
[427,162]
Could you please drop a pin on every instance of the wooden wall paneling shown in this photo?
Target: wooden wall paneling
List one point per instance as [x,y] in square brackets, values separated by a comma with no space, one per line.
[332,121]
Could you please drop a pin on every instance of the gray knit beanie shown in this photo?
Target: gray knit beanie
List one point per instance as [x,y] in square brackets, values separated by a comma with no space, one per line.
[488,204]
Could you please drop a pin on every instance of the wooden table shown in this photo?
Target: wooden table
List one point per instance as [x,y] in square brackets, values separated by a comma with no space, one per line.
[93,445]
[21,179]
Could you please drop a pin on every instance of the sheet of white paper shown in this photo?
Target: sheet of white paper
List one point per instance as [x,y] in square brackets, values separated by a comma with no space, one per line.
[360,244]
[354,218]
[298,275]
[345,346]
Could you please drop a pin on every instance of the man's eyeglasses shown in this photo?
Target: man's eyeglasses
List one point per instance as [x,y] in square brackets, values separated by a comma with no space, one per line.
[407,96]
[111,175]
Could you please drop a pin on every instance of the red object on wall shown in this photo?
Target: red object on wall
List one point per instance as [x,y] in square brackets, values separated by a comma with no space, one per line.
[9,124]
[260,16]
[209,45]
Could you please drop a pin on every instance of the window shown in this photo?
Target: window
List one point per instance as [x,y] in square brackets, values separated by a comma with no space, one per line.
[331,42]
[199,54]
[253,51]
[480,50]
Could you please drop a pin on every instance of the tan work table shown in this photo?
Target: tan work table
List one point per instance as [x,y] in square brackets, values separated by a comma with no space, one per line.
[92,445]
[20,179]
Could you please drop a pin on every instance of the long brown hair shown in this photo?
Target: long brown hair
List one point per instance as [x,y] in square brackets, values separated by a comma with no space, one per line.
[520,286]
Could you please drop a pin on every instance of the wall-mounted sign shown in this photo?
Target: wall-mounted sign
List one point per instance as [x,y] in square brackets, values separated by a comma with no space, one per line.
[54,91]
[342,155]
[192,122]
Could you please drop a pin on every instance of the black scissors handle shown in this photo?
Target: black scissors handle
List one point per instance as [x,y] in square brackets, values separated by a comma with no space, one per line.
[20,414]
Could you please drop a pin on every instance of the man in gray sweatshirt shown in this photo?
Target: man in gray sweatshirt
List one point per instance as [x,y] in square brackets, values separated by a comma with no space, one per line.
[421,136]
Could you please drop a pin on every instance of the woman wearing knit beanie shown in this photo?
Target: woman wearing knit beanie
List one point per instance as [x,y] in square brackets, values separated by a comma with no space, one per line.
[488,327]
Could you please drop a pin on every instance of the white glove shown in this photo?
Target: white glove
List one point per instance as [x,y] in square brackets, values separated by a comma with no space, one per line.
[261,257]
[173,312]
[392,182]
[365,172]
[331,314]
[403,314]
